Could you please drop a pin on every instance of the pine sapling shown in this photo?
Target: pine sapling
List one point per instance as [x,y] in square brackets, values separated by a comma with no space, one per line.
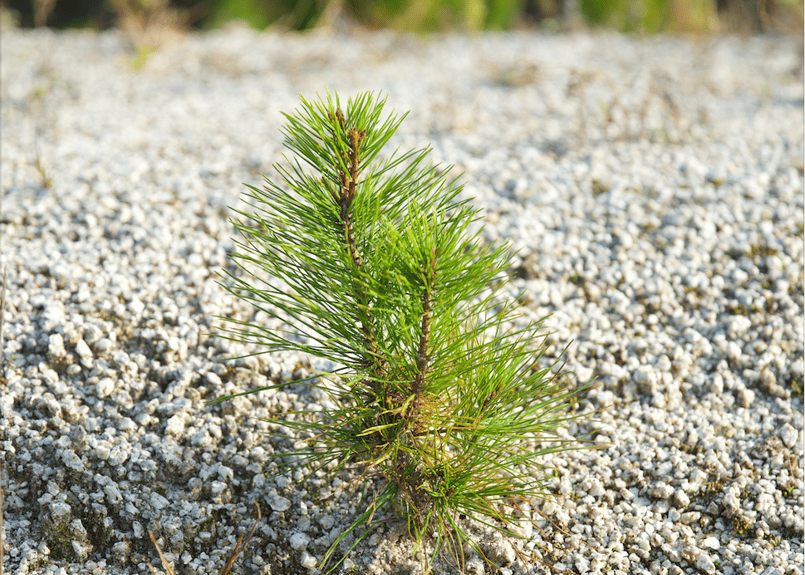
[441,394]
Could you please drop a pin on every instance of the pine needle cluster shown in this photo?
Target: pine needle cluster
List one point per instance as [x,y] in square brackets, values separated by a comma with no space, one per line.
[439,396]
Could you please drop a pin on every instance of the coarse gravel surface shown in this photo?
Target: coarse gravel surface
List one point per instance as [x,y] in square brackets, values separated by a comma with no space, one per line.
[653,187]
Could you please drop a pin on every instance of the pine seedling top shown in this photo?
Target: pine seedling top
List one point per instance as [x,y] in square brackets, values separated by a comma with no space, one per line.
[439,394]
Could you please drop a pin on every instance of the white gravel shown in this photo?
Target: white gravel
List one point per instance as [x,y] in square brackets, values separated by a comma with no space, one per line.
[653,187]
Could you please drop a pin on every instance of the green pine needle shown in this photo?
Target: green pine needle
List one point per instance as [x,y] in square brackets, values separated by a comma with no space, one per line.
[439,396]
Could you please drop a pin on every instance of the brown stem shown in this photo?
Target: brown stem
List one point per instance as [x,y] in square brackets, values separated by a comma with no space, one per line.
[348,187]
[422,357]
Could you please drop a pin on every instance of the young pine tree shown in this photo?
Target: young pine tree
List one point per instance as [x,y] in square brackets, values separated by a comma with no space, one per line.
[439,394]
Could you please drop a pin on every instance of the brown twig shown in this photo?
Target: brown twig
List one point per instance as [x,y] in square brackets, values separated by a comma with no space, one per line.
[168,569]
[239,547]
[422,357]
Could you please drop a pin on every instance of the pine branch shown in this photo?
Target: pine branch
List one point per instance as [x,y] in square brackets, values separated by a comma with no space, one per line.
[348,182]
[369,264]
[422,352]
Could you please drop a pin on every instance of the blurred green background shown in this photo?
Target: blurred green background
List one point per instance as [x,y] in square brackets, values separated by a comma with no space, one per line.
[640,16]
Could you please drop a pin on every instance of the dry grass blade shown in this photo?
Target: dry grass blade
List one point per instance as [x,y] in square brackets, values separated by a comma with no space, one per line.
[168,569]
[238,547]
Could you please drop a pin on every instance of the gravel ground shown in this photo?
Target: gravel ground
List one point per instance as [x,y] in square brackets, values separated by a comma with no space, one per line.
[653,188]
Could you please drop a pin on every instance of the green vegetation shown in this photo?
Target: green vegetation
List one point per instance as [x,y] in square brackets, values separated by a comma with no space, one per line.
[369,263]
[634,16]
